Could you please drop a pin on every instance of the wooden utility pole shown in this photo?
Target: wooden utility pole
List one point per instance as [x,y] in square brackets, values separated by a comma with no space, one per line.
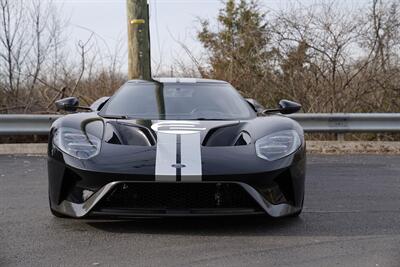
[139,63]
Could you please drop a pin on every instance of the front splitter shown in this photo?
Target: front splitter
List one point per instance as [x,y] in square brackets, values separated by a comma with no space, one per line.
[79,210]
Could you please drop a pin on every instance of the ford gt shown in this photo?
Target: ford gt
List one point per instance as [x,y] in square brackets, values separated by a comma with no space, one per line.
[175,147]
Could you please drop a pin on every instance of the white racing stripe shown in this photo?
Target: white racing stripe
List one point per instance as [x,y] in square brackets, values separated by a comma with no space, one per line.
[191,157]
[166,157]
[188,152]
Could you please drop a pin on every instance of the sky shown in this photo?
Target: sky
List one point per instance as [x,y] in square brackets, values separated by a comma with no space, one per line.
[171,22]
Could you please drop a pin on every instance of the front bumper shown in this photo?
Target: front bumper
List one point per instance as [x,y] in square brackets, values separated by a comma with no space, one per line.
[276,189]
[93,206]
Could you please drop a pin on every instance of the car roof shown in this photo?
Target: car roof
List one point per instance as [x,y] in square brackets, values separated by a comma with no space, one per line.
[180,80]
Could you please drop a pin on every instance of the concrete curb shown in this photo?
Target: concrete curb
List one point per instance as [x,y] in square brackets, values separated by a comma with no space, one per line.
[17,149]
[313,147]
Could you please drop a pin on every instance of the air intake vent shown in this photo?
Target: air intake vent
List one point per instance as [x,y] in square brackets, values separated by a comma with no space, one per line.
[128,134]
[225,135]
[243,139]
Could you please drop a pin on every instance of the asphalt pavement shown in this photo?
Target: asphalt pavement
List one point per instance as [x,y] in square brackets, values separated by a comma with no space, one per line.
[351,218]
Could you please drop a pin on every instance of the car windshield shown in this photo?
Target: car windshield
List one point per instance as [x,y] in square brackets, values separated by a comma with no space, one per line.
[176,101]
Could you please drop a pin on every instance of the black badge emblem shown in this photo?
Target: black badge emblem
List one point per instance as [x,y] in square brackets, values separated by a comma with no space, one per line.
[178,166]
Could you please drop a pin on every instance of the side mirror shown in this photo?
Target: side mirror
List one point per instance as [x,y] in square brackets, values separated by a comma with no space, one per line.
[289,107]
[255,105]
[68,104]
[285,107]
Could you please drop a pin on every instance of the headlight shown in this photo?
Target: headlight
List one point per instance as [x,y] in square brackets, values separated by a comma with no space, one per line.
[278,145]
[77,143]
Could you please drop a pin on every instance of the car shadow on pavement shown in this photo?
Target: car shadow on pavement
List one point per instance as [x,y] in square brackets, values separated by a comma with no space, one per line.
[230,225]
[308,224]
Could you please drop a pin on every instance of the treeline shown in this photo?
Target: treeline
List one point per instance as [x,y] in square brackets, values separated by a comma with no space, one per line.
[38,66]
[329,56]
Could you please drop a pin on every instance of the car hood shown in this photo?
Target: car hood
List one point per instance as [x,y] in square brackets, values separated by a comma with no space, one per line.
[149,132]
[170,149]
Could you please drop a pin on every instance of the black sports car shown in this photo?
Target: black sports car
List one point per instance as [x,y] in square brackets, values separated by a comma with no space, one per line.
[176,147]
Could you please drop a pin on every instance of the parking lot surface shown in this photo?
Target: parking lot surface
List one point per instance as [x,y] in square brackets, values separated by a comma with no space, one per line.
[351,218]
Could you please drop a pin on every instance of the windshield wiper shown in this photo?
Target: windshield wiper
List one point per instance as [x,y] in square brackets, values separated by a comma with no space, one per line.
[208,119]
[122,117]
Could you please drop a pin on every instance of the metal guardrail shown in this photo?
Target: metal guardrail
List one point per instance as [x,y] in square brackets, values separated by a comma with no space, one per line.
[348,122]
[24,124]
[312,122]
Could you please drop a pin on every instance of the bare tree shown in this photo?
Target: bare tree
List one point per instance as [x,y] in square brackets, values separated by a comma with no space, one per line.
[34,67]
[14,47]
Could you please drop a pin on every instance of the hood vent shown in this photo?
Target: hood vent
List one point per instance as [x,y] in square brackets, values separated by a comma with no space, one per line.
[243,139]
[128,134]
[227,135]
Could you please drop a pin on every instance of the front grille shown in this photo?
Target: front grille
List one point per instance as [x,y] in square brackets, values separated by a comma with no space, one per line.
[178,196]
